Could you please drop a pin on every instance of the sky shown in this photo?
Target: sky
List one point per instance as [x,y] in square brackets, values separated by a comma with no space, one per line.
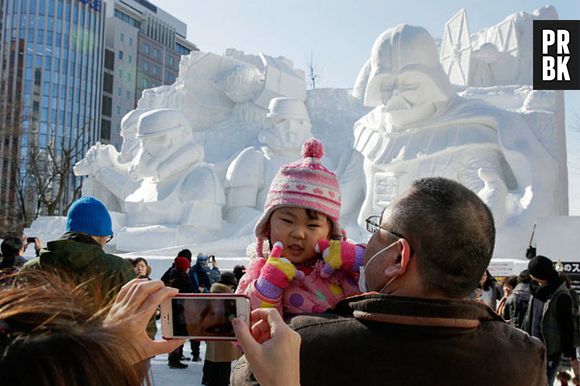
[337,35]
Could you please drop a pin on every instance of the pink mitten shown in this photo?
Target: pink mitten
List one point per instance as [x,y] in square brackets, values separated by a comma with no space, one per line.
[276,274]
[340,255]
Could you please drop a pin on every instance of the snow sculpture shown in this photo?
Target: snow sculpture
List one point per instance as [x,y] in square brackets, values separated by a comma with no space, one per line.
[226,97]
[420,127]
[249,175]
[169,194]
[105,159]
[499,55]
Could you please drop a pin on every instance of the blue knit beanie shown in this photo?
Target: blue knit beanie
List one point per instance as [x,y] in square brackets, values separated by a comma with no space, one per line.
[89,216]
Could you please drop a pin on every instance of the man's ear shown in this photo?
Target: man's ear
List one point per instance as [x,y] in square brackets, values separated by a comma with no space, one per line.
[398,264]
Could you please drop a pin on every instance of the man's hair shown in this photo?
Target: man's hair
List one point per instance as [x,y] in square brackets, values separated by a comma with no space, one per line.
[11,246]
[59,324]
[451,231]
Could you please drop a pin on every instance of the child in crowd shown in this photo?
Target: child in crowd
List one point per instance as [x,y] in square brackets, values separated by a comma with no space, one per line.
[314,268]
[219,355]
[179,279]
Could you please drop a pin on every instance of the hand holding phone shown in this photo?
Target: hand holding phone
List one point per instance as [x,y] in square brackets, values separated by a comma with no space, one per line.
[203,316]
[271,347]
[31,240]
[134,305]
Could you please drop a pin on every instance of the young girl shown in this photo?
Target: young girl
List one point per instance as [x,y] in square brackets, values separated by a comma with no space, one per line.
[310,269]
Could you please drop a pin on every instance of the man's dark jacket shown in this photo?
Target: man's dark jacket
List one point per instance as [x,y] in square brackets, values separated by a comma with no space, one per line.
[82,257]
[382,340]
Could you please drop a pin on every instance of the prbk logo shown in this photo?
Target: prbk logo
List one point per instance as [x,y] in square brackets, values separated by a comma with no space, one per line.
[557,54]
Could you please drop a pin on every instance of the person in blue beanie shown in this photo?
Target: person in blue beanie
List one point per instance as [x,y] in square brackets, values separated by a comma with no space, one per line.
[79,252]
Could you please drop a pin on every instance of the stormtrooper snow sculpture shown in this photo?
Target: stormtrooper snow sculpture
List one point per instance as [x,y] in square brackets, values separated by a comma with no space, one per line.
[108,163]
[225,97]
[170,196]
[420,127]
[249,176]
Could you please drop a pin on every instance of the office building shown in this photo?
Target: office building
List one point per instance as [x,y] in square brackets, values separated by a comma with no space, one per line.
[51,78]
[144,45]
[70,70]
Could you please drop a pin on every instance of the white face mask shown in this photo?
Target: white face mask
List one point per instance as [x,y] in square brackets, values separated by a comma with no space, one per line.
[362,283]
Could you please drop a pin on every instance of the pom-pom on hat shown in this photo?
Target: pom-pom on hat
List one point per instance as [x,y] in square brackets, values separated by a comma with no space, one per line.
[306,184]
[542,268]
[181,264]
[89,216]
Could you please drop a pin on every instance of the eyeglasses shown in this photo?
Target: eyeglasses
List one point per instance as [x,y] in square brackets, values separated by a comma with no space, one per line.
[373,226]
[109,238]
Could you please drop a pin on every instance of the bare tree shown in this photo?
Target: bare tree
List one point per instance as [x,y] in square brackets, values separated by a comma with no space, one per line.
[49,175]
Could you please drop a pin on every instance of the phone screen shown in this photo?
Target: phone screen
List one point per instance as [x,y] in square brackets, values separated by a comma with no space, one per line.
[203,317]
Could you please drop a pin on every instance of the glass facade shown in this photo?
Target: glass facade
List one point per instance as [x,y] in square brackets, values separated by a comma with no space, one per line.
[52,55]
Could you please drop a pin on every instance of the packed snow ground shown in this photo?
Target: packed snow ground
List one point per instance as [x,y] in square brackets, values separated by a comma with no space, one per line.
[162,375]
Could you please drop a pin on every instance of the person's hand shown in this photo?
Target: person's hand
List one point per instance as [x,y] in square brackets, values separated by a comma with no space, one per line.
[339,255]
[276,274]
[271,348]
[134,305]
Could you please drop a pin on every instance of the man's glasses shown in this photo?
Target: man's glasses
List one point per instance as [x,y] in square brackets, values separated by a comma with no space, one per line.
[374,225]
[109,238]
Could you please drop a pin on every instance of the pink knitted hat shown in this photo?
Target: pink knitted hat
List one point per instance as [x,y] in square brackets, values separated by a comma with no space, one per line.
[303,184]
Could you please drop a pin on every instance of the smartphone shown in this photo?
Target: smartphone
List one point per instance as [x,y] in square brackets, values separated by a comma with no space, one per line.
[30,240]
[203,316]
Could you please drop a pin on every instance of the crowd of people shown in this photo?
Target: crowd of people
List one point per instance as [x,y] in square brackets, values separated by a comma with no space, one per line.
[416,305]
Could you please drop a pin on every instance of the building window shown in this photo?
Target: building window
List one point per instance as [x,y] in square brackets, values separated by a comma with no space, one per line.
[146,48]
[128,94]
[121,36]
[108,83]
[118,91]
[118,110]
[130,41]
[144,83]
[145,65]
[109,60]
[156,70]
[130,59]
[120,55]
[105,129]
[107,106]
[156,53]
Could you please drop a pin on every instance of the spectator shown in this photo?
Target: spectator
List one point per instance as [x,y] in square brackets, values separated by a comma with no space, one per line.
[428,251]
[508,284]
[183,253]
[194,344]
[219,355]
[549,316]
[141,267]
[490,291]
[179,279]
[239,271]
[12,250]
[517,302]
[54,333]
[79,251]
[214,271]
[200,273]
